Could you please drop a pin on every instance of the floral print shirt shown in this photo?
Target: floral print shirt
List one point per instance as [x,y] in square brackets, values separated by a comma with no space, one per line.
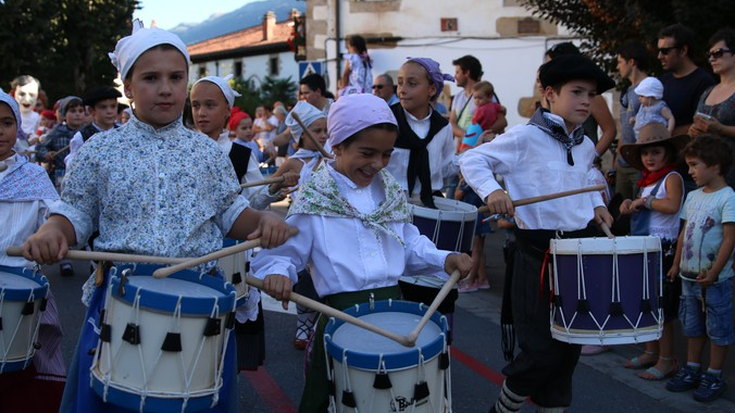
[167,192]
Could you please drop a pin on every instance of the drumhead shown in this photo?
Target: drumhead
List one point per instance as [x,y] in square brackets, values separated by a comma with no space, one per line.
[17,282]
[605,246]
[357,339]
[174,286]
[448,209]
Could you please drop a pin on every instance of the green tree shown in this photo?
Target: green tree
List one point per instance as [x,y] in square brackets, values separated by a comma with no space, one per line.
[273,90]
[605,25]
[64,43]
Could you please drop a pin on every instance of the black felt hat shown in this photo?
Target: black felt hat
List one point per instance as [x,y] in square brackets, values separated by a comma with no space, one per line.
[101,93]
[570,67]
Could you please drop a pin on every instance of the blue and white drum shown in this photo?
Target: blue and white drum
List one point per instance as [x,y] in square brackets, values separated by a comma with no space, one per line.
[23,295]
[163,341]
[235,268]
[372,373]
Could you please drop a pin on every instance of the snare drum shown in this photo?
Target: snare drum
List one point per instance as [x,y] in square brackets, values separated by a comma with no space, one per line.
[606,291]
[23,295]
[163,341]
[235,267]
[371,373]
[451,227]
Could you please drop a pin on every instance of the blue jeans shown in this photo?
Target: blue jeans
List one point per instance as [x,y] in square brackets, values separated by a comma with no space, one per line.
[716,319]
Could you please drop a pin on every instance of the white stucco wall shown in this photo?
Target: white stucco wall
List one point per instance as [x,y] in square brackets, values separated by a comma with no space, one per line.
[252,66]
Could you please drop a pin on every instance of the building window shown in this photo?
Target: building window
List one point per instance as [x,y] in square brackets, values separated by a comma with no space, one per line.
[273,66]
[202,71]
[238,69]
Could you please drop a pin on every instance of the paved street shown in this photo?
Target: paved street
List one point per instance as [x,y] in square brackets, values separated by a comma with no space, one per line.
[601,384]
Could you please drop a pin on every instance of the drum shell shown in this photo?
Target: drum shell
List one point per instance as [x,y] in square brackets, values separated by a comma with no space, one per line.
[235,269]
[630,265]
[19,286]
[118,372]
[451,227]
[402,367]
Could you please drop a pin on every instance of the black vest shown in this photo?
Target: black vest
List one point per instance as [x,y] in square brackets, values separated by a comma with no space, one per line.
[240,157]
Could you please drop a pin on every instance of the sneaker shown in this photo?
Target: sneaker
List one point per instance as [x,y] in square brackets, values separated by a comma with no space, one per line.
[67,270]
[686,379]
[710,388]
[482,286]
[591,350]
[467,288]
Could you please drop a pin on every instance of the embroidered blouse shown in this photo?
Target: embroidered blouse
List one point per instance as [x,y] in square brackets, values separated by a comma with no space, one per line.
[343,253]
[168,192]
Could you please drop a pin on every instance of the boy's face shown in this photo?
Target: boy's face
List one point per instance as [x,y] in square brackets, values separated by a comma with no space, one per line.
[701,173]
[365,156]
[625,67]
[8,131]
[414,89]
[74,117]
[481,98]
[209,108]
[104,113]
[572,102]
[158,86]
[244,130]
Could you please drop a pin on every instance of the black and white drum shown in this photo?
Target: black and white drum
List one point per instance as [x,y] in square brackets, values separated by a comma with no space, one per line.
[451,227]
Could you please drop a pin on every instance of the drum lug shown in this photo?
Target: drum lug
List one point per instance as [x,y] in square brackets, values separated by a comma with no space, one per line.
[443,361]
[646,306]
[382,381]
[28,308]
[172,342]
[105,332]
[332,388]
[236,278]
[132,334]
[348,399]
[37,345]
[583,306]
[213,327]
[616,309]
[420,391]
[372,301]
[123,281]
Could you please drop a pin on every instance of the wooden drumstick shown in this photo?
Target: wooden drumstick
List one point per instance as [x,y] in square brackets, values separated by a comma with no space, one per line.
[606,230]
[276,180]
[60,150]
[107,256]
[534,199]
[316,143]
[413,336]
[165,272]
[333,312]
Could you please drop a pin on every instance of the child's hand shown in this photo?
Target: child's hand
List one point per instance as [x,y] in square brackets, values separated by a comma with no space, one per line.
[498,202]
[461,262]
[625,207]
[707,278]
[279,287]
[637,204]
[673,272]
[272,230]
[47,246]
[602,216]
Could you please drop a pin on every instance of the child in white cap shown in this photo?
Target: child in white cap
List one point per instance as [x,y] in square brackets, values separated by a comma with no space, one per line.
[650,91]
[150,187]
[354,229]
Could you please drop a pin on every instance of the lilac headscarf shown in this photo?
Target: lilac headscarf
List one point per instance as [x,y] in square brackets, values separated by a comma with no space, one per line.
[352,113]
[435,74]
[6,98]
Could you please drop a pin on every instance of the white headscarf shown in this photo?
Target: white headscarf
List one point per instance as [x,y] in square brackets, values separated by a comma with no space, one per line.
[10,101]
[224,85]
[129,48]
[308,114]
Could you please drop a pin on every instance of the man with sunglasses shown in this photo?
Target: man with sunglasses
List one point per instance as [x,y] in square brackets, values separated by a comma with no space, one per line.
[384,89]
[684,82]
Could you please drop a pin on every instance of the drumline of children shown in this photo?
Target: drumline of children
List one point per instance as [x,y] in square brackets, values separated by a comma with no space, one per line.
[153,187]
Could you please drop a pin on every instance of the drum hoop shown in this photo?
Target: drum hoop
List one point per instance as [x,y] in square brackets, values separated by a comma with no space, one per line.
[394,361]
[626,245]
[162,301]
[23,294]
[462,211]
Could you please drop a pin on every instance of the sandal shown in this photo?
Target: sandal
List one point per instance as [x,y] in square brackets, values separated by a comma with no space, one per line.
[636,363]
[655,374]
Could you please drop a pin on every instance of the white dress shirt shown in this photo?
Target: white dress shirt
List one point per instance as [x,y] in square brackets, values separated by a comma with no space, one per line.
[346,256]
[441,150]
[533,163]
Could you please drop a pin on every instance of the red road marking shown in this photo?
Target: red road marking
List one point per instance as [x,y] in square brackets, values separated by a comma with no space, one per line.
[269,391]
[477,367]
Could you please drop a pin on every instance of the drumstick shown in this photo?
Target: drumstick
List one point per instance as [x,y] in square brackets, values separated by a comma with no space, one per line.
[333,312]
[276,180]
[107,256]
[316,143]
[165,272]
[60,150]
[534,199]
[432,308]
[606,230]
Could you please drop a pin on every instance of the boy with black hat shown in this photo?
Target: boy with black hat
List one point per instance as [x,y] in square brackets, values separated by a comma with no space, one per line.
[549,154]
[101,103]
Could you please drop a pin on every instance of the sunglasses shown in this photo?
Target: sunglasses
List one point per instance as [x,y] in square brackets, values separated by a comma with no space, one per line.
[379,87]
[665,50]
[716,54]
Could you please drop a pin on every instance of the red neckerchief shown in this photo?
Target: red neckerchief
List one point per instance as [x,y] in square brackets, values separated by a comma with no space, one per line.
[650,178]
